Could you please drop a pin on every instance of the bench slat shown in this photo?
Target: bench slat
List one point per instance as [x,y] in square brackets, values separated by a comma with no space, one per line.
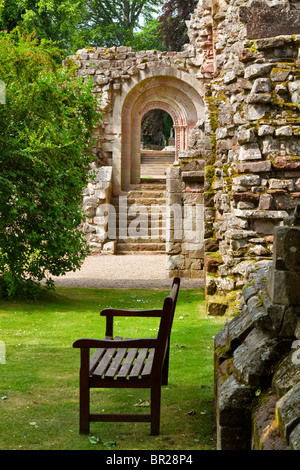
[96,357]
[116,363]
[148,366]
[139,363]
[127,364]
[104,363]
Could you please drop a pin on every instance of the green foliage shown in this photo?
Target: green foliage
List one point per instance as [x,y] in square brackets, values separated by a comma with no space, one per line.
[77,24]
[147,38]
[55,20]
[45,130]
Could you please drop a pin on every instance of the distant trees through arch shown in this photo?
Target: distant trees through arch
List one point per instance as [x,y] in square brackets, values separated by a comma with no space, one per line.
[156,130]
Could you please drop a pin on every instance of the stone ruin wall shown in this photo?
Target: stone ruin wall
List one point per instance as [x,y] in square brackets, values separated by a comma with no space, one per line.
[252,177]
[251,189]
[112,69]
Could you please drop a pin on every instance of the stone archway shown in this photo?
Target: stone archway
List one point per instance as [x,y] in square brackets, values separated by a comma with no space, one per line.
[164,89]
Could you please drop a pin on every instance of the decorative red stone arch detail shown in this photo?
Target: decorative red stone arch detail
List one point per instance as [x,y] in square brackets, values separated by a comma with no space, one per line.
[179,122]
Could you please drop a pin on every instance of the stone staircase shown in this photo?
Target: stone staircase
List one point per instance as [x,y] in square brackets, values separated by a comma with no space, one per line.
[140,218]
[154,163]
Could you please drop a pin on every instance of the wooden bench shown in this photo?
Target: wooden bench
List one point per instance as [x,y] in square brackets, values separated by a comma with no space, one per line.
[127,363]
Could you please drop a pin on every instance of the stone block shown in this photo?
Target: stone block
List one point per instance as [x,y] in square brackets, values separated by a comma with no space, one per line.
[265,23]
[261,85]
[246,136]
[265,432]
[109,247]
[287,248]
[265,130]
[294,439]
[257,70]
[233,438]
[286,376]
[259,98]
[265,202]
[246,180]
[238,328]
[255,359]
[259,314]
[253,167]
[234,403]
[250,152]
[253,112]
[294,89]
[283,287]
[284,131]
[210,285]
[288,411]
[216,308]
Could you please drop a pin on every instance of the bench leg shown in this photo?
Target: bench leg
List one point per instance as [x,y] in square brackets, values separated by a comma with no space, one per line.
[84,394]
[84,411]
[155,410]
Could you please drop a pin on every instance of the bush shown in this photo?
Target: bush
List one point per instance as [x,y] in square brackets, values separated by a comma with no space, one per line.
[45,133]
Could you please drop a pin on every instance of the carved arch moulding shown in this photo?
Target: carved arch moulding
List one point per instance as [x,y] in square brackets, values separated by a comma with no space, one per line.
[179,98]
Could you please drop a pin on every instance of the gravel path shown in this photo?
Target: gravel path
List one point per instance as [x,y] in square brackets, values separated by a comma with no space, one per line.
[123,271]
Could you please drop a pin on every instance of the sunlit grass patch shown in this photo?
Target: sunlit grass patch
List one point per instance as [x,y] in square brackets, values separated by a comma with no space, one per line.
[39,382]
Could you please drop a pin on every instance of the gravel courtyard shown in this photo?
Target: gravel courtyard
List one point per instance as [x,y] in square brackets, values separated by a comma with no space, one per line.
[123,271]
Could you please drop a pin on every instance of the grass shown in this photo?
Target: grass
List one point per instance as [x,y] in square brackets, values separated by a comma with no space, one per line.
[39,381]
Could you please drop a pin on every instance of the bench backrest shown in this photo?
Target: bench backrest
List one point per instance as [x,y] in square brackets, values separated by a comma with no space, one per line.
[165,327]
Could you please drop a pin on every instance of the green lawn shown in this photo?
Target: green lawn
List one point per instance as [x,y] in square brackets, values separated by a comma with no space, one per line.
[39,382]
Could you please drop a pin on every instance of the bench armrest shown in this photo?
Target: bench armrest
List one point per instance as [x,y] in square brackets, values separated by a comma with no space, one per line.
[110,313]
[131,313]
[88,343]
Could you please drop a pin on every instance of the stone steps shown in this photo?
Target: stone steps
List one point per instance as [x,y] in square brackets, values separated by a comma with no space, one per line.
[140,219]
[154,164]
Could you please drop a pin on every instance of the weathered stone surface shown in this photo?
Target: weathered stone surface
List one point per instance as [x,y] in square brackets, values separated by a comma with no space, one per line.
[255,359]
[287,248]
[294,89]
[253,167]
[288,411]
[295,438]
[286,376]
[265,22]
[265,432]
[257,70]
[233,438]
[250,152]
[234,403]
[282,287]
[216,308]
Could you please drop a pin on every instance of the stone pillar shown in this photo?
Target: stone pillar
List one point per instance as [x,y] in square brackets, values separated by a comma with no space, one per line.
[284,280]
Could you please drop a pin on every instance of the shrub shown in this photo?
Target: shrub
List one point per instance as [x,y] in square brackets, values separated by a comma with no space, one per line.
[45,134]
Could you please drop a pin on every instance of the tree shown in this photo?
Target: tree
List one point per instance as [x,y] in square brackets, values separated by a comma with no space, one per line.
[148,38]
[114,22]
[79,23]
[45,132]
[173,29]
[55,20]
